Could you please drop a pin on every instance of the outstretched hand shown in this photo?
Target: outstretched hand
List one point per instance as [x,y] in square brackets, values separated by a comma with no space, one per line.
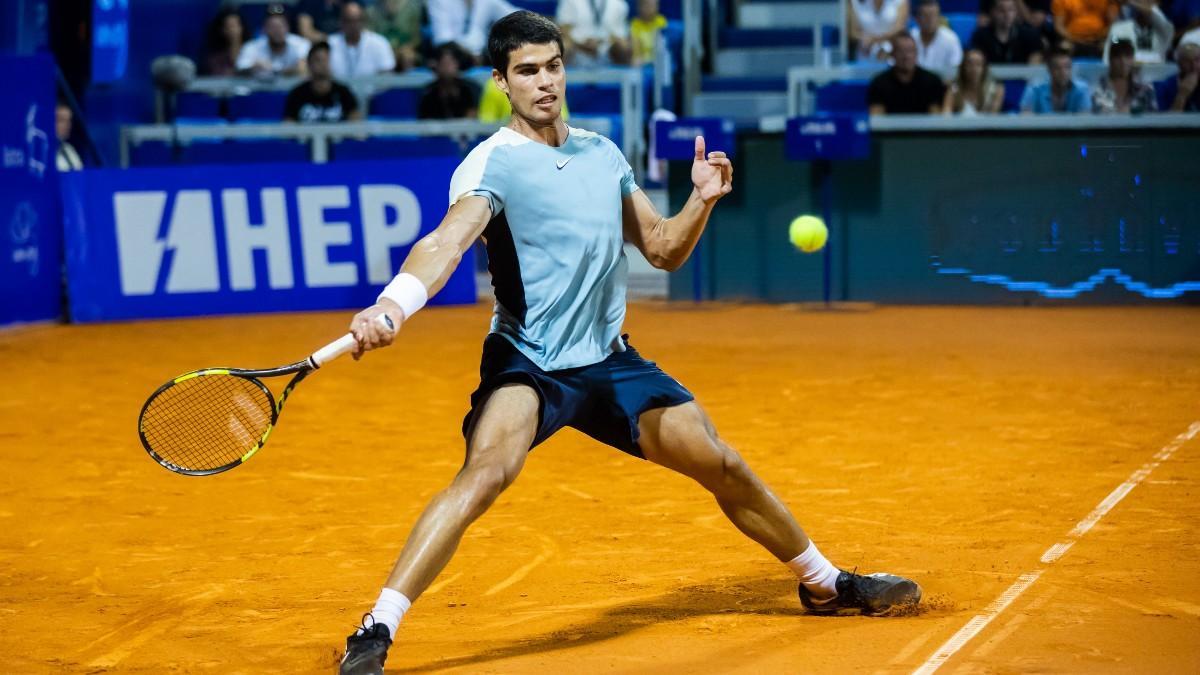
[712,174]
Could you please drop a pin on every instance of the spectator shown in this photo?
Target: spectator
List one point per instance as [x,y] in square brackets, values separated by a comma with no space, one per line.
[67,159]
[356,51]
[873,24]
[276,51]
[226,35]
[905,87]
[1149,30]
[450,96]
[466,22]
[1061,93]
[1121,90]
[645,31]
[1181,88]
[595,32]
[316,20]
[399,22]
[321,98]
[938,48]
[1004,40]
[1082,25]
[1032,13]
[974,91]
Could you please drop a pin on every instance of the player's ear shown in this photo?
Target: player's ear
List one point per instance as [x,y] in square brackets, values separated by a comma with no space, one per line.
[499,79]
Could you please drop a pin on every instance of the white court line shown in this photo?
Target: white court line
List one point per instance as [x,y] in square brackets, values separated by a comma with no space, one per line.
[1052,554]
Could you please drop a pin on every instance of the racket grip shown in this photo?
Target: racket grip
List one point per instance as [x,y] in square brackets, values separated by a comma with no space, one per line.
[343,345]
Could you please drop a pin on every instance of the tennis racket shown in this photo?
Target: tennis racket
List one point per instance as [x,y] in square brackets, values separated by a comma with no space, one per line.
[213,419]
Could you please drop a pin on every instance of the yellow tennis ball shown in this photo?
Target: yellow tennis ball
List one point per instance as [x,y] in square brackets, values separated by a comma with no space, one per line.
[808,233]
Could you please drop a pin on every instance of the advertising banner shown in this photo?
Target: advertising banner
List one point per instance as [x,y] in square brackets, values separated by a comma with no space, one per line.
[234,239]
[30,232]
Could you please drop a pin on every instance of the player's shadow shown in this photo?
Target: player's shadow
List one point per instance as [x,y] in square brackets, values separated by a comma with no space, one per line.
[758,596]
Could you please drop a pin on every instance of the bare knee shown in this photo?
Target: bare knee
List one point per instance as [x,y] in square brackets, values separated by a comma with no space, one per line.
[478,486]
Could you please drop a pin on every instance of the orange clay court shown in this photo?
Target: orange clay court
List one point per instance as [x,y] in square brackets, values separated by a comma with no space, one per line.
[965,448]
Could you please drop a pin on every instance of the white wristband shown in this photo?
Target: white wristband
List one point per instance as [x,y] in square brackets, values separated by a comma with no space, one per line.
[408,292]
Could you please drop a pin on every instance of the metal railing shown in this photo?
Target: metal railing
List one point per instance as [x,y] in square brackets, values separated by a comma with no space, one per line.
[320,136]
[803,79]
[632,113]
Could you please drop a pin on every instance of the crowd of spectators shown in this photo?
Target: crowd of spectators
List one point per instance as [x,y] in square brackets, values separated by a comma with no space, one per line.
[1124,34]
[336,41]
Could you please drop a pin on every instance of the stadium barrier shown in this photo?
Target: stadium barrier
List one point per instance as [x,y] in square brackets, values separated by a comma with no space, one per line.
[1046,209]
[629,108]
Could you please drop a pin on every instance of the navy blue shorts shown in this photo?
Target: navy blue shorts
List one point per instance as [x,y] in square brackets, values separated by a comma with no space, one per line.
[603,400]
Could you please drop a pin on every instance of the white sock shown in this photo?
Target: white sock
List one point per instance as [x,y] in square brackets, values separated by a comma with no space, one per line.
[390,609]
[817,574]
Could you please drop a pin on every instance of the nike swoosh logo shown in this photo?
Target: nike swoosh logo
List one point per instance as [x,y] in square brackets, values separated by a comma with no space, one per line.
[562,163]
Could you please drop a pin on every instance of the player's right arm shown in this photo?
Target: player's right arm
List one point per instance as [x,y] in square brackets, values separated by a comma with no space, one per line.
[431,261]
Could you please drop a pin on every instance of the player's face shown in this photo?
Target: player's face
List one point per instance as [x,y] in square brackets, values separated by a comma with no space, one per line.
[535,82]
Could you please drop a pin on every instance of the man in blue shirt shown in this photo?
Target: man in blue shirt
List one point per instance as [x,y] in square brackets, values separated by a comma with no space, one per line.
[1061,93]
[555,205]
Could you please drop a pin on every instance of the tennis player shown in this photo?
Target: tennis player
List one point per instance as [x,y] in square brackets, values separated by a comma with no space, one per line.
[555,204]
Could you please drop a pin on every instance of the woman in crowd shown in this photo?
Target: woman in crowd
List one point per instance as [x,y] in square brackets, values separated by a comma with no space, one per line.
[1121,90]
[873,24]
[974,91]
[226,33]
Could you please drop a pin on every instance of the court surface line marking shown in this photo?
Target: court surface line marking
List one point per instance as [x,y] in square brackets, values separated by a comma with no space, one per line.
[1052,555]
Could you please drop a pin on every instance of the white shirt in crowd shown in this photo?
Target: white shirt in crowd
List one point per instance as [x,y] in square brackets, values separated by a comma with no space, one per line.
[67,158]
[455,21]
[875,23]
[944,53]
[371,56]
[598,19]
[1150,44]
[256,50]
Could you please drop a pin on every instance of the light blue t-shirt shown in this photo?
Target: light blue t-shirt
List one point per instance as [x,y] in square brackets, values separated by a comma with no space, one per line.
[1039,98]
[555,243]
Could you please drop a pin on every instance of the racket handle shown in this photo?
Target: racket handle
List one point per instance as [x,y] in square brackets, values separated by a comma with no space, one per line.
[344,345]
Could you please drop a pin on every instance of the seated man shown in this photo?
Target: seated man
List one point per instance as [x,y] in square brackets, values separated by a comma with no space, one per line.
[1005,39]
[466,23]
[1082,25]
[321,99]
[1181,88]
[356,51]
[595,32]
[905,87]
[938,48]
[1061,93]
[276,51]
[450,96]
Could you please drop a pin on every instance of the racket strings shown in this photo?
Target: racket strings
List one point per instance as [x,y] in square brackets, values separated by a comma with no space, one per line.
[207,422]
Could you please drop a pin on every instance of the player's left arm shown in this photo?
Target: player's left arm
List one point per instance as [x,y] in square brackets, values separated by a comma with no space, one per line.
[667,242]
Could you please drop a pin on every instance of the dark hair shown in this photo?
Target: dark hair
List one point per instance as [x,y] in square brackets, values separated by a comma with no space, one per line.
[216,29]
[1119,47]
[926,3]
[517,30]
[1055,53]
[902,36]
[321,46]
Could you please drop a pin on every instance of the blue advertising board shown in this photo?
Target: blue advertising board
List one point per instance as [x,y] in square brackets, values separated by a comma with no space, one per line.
[30,233]
[676,139]
[110,39]
[233,239]
[828,137]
